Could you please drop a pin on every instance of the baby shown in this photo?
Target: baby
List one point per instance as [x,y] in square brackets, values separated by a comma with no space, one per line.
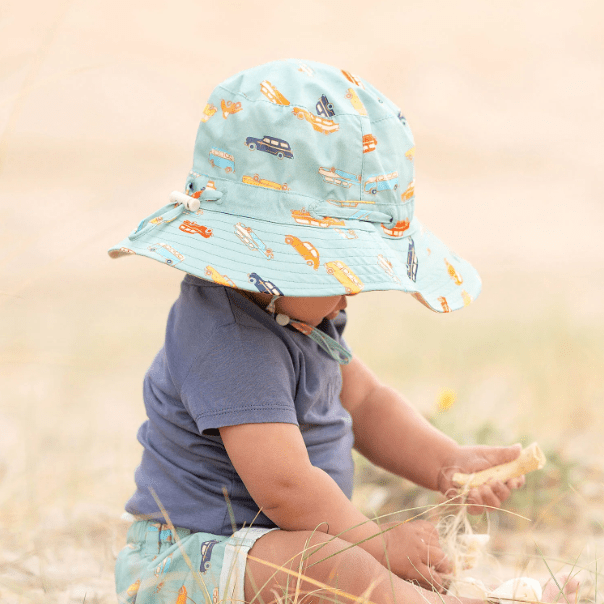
[301,195]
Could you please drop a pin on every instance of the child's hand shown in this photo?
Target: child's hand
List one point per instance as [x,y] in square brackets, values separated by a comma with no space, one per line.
[414,553]
[472,459]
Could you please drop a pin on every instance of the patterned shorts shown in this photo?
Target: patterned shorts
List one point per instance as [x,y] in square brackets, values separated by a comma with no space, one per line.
[157,566]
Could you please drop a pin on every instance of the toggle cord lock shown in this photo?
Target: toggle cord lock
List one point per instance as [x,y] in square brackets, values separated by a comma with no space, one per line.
[179,202]
[334,349]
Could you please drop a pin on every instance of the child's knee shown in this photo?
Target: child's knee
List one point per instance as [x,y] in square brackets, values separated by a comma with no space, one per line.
[310,555]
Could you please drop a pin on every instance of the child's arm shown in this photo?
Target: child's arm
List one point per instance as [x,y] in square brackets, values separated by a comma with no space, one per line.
[273,463]
[394,436]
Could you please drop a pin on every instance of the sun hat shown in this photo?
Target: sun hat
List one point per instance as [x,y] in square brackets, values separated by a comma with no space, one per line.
[303,185]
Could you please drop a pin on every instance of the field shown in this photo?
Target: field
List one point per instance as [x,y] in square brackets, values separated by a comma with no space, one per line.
[93,137]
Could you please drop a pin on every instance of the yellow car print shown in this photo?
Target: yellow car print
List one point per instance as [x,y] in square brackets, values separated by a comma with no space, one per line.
[348,203]
[410,154]
[320,124]
[386,266]
[272,94]
[261,182]
[453,273]
[409,192]
[467,298]
[356,101]
[306,249]
[352,284]
[303,217]
[208,111]
[213,274]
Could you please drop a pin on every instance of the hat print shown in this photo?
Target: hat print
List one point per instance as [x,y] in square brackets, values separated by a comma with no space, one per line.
[303,185]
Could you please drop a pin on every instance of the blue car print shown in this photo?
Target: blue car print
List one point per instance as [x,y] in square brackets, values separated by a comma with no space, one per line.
[169,255]
[270,144]
[206,555]
[324,107]
[381,182]
[222,159]
[266,287]
[411,261]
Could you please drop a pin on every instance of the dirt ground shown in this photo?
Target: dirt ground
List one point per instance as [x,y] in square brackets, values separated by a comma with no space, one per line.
[99,105]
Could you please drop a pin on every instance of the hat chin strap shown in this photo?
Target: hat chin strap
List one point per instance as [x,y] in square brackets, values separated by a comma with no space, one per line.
[334,349]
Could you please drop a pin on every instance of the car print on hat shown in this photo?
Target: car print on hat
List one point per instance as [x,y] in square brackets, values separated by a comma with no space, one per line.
[324,107]
[272,94]
[265,287]
[270,144]
[318,123]
[339,177]
[307,250]
[262,182]
[188,226]
[349,194]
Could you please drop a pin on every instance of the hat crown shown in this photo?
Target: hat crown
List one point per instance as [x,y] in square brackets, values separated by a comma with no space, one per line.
[293,139]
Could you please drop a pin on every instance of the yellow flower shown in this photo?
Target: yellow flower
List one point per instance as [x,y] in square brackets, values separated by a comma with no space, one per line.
[446,398]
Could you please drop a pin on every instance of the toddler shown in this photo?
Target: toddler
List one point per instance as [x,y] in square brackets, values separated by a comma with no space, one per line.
[301,195]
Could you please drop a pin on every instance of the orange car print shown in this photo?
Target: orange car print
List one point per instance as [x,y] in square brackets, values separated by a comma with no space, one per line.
[228,108]
[352,78]
[303,217]
[352,284]
[409,192]
[369,143]
[398,230]
[443,303]
[208,111]
[126,250]
[356,102]
[320,124]
[261,182]
[182,596]
[467,298]
[453,273]
[188,226]
[410,154]
[272,94]
[307,250]
[213,274]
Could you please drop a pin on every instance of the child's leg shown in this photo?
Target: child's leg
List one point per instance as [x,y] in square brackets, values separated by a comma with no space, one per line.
[350,569]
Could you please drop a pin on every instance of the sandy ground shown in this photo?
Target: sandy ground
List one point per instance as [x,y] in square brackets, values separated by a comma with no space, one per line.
[99,104]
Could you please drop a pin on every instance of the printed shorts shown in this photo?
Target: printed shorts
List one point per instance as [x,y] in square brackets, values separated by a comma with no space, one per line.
[193,568]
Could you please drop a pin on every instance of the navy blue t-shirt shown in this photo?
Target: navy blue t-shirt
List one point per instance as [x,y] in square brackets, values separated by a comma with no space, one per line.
[226,362]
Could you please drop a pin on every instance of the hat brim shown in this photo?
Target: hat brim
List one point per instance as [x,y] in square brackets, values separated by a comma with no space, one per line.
[309,260]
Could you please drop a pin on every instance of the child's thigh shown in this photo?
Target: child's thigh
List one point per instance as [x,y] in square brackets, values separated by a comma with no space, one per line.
[327,560]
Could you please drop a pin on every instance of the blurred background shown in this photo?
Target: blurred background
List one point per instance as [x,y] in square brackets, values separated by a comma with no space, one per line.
[99,106]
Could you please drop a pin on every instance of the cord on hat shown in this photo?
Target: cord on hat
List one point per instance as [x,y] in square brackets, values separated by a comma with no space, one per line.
[334,349]
[179,202]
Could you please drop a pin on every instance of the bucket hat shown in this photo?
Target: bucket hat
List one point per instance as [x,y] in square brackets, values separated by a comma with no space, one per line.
[303,185]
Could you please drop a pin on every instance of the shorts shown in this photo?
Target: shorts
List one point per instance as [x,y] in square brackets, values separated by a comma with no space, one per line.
[157,566]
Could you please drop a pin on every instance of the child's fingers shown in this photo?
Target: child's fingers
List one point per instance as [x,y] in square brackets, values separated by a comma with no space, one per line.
[427,578]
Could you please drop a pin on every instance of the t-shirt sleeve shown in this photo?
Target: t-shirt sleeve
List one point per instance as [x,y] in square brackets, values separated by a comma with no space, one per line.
[244,376]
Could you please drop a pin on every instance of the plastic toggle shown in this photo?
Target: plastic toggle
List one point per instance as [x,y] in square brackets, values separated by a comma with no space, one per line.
[282,319]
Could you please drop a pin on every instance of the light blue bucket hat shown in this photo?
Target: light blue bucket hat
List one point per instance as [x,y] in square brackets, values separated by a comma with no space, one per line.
[303,185]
